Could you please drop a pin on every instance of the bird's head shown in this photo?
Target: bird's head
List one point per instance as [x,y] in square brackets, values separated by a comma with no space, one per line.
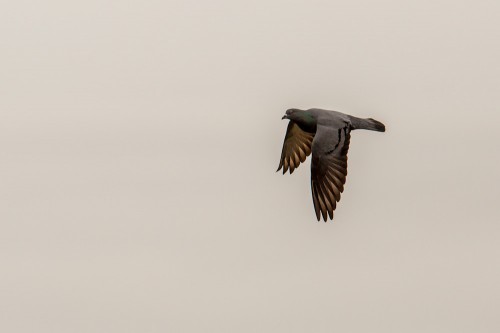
[289,113]
[305,119]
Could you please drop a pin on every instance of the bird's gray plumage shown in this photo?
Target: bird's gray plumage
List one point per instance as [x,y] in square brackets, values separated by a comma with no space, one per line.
[325,134]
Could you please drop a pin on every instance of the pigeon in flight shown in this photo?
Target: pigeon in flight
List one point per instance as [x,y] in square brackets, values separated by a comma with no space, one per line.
[326,134]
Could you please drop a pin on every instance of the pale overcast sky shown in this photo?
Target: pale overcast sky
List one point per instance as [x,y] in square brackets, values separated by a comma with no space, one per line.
[140,139]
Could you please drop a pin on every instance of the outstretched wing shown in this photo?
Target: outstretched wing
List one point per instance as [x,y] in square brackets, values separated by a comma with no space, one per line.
[329,168]
[296,147]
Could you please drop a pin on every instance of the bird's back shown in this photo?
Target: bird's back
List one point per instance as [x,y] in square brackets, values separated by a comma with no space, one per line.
[336,120]
[333,119]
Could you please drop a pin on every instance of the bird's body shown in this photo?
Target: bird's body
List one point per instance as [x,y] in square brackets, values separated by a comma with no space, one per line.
[326,135]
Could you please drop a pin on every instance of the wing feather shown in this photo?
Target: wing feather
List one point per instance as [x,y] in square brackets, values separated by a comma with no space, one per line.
[328,168]
[296,147]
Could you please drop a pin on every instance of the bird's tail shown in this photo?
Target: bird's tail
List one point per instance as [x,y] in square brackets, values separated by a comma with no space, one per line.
[367,124]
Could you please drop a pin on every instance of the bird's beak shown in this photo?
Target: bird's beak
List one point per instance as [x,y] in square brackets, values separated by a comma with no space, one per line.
[284,117]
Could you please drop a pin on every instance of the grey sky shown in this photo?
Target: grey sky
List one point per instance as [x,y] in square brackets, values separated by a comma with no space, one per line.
[139,142]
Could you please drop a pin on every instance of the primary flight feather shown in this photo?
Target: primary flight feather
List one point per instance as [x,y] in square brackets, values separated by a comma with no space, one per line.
[326,135]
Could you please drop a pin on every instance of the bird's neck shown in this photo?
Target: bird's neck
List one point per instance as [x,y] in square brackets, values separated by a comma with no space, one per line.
[306,122]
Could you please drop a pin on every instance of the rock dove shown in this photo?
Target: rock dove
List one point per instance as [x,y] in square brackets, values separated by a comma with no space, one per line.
[326,134]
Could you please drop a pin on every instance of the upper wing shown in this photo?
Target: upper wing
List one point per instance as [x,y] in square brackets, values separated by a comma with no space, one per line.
[296,147]
[329,168]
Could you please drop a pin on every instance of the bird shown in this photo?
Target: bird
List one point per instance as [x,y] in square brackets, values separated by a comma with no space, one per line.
[325,134]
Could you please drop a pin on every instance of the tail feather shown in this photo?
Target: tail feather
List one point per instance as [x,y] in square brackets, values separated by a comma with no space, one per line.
[368,124]
[376,125]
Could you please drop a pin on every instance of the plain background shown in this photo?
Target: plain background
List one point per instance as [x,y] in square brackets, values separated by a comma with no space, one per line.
[139,142]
